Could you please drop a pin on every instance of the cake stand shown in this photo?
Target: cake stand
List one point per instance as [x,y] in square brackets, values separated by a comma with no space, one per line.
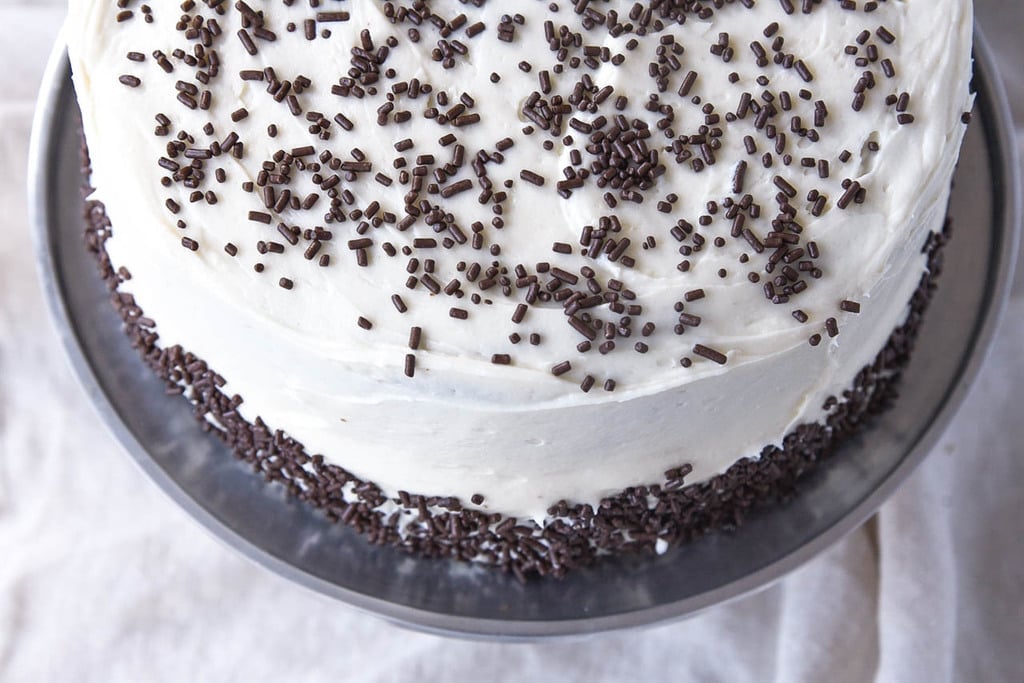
[294,540]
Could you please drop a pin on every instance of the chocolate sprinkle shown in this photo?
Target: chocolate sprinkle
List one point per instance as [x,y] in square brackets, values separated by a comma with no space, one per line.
[561,368]
[710,354]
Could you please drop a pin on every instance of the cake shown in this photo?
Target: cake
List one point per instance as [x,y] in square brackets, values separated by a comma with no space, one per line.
[524,289]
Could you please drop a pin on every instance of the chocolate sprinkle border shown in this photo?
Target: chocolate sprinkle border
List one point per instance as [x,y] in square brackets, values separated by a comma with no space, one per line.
[576,535]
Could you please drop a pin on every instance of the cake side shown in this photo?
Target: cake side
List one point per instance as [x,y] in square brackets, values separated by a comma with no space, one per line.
[642,519]
[481,414]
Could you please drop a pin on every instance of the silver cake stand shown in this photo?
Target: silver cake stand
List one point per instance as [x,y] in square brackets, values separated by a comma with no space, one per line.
[294,540]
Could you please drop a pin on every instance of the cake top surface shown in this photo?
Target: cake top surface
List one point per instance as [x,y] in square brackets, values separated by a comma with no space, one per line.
[574,203]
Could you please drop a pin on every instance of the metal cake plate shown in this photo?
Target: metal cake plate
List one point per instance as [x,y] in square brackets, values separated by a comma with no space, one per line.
[292,539]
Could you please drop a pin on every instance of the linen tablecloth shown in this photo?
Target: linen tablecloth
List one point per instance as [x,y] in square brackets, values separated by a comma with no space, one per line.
[102,578]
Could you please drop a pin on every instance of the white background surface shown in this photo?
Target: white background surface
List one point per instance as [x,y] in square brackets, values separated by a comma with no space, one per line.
[104,579]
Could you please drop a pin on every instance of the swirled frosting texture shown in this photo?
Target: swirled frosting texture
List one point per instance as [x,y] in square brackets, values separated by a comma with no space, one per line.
[288,340]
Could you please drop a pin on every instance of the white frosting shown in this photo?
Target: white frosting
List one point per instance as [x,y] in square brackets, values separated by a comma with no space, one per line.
[517,434]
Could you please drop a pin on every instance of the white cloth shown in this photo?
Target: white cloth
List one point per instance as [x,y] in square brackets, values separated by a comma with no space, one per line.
[104,579]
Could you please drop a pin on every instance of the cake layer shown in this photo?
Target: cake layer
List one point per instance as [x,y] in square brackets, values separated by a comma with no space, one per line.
[732,263]
[645,519]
